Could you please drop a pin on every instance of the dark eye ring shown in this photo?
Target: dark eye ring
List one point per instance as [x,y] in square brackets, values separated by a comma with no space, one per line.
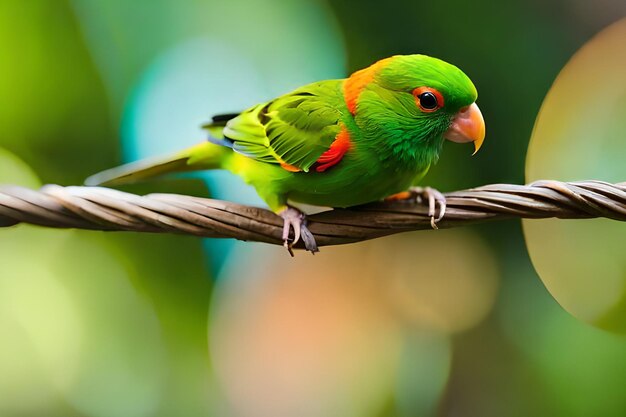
[428,101]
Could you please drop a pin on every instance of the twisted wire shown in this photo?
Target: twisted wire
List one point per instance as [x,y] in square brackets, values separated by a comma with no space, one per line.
[98,208]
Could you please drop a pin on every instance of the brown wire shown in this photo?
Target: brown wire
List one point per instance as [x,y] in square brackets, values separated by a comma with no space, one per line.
[99,208]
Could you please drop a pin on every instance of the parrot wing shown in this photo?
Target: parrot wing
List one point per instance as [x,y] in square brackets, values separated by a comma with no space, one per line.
[293,130]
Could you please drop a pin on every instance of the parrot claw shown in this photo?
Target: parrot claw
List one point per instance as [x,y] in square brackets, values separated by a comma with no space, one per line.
[296,220]
[433,197]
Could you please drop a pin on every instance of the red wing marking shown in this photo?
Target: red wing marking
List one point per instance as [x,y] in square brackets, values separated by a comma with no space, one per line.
[335,153]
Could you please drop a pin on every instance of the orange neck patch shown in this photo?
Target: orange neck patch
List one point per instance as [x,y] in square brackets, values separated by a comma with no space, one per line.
[354,85]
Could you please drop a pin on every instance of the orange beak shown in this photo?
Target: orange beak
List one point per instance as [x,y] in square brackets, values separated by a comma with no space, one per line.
[467,125]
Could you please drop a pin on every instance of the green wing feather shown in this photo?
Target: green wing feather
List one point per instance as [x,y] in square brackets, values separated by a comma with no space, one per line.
[296,128]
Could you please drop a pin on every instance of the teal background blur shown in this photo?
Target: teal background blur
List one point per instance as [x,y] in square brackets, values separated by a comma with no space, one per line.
[449,323]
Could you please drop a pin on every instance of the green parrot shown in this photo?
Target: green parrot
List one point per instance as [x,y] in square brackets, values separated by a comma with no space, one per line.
[336,143]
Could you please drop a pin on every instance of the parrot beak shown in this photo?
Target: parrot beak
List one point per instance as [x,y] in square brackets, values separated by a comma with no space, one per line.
[467,126]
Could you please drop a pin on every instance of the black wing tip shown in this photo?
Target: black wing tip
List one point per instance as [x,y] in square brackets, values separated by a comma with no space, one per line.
[218,118]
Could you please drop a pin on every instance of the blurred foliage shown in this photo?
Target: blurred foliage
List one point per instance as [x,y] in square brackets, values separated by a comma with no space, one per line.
[445,323]
[581,136]
[54,111]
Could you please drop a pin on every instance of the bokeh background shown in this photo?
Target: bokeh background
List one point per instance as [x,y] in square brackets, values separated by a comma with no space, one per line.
[447,323]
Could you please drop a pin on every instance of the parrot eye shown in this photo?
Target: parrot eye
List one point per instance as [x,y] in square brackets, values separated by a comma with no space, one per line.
[428,99]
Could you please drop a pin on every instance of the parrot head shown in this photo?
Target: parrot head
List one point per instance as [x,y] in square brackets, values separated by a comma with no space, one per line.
[416,100]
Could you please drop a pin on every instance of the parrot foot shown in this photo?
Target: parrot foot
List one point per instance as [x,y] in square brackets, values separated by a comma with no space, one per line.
[296,220]
[418,194]
[433,197]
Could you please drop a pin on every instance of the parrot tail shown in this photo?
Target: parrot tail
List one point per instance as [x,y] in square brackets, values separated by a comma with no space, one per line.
[202,156]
